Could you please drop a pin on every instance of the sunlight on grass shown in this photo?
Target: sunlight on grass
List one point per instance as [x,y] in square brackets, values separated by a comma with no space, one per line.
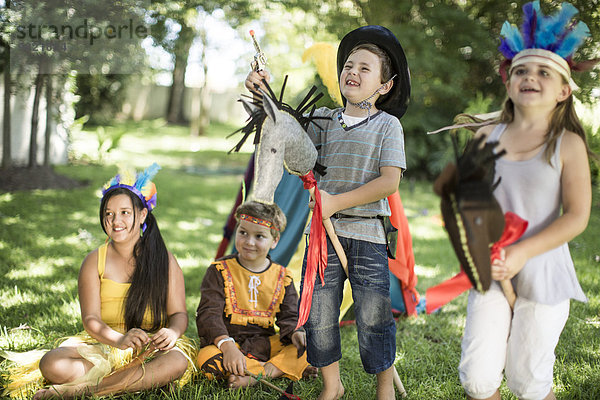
[427,272]
[213,238]
[11,220]
[37,269]
[6,197]
[424,230]
[84,217]
[20,338]
[195,225]
[224,207]
[17,296]
[189,262]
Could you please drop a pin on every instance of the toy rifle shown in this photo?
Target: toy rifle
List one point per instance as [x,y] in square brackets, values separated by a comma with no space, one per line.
[260,60]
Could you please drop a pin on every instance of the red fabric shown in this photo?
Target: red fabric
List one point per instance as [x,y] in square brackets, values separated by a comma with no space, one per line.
[439,295]
[316,259]
[446,291]
[514,228]
[403,267]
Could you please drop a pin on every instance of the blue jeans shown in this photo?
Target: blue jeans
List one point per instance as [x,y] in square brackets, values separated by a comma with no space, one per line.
[370,282]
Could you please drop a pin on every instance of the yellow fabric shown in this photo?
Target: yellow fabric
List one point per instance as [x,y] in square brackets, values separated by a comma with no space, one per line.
[283,357]
[112,298]
[237,288]
[25,378]
[324,57]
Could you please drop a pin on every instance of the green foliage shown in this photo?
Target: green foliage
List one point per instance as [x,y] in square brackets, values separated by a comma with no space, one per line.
[594,143]
[107,141]
[101,96]
[46,234]
[451,49]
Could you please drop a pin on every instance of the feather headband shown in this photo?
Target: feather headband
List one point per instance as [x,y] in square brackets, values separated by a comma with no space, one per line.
[547,39]
[140,184]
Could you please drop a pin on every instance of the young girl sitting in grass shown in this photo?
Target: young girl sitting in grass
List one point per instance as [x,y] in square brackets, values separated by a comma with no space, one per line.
[132,297]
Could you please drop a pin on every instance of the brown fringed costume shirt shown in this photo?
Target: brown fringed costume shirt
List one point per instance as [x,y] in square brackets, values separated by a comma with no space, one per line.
[246,305]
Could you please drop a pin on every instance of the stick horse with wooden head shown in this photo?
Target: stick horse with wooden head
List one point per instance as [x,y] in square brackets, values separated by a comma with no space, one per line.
[282,142]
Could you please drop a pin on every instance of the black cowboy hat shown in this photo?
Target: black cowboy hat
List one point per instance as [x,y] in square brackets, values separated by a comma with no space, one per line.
[472,216]
[396,101]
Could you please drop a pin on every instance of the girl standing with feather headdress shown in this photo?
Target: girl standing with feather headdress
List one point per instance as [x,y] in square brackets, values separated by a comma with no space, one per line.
[546,180]
[132,297]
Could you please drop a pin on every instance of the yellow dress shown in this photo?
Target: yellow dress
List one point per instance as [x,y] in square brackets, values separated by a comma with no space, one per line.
[25,378]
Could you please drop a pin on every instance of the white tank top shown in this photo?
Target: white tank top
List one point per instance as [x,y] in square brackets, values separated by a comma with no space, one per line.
[531,189]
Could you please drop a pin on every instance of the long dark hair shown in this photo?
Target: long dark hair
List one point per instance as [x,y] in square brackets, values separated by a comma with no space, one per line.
[150,279]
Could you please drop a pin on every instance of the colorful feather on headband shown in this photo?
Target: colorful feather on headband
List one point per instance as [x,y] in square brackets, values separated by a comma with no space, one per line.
[141,184]
[555,33]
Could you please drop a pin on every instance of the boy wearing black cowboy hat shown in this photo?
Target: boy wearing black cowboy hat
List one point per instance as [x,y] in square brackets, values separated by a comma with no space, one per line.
[362,146]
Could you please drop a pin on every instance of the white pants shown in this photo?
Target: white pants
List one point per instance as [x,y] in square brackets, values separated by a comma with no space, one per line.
[520,343]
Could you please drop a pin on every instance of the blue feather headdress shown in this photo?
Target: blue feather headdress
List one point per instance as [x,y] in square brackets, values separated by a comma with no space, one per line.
[552,38]
[140,184]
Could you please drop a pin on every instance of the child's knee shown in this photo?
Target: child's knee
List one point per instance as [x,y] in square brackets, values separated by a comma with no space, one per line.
[56,368]
[529,386]
[179,364]
[47,363]
[210,362]
[479,383]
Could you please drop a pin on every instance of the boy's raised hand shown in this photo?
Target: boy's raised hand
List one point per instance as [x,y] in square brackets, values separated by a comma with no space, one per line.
[255,78]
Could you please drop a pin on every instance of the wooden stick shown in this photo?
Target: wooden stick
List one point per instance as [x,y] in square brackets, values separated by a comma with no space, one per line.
[398,383]
[272,386]
[509,292]
[336,244]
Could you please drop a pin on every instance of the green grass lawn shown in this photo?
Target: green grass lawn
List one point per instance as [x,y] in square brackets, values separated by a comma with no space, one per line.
[44,236]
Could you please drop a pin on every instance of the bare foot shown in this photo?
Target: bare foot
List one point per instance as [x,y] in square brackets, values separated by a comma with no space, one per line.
[237,381]
[61,391]
[310,372]
[334,393]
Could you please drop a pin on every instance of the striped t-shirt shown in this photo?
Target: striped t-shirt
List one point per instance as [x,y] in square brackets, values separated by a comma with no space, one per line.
[353,156]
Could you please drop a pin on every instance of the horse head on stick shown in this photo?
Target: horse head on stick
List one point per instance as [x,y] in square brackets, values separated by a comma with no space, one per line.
[280,139]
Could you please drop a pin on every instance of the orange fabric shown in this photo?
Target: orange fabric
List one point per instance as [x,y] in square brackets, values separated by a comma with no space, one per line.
[283,357]
[446,291]
[316,258]
[403,267]
[270,292]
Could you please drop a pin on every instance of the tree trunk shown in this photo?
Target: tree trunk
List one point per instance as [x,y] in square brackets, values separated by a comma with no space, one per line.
[6,128]
[201,105]
[48,133]
[182,51]
[39,84]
